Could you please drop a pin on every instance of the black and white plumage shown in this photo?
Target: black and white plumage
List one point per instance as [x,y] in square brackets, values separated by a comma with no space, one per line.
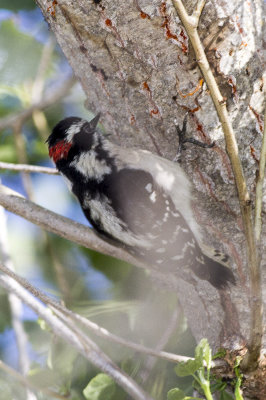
[135,199]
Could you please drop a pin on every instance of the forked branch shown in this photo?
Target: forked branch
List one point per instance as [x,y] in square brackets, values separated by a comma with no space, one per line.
[191,23]
[77,339]
[92,326]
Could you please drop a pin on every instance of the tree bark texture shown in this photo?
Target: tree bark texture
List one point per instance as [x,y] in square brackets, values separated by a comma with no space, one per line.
[136,66]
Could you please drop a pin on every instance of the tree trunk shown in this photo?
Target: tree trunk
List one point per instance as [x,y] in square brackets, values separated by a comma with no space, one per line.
[136,66]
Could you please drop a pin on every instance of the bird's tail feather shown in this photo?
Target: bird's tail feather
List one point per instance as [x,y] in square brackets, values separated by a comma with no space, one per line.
[219,275]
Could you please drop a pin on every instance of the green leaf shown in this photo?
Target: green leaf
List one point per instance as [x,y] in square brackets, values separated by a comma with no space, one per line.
[225,396]
[176,394]
[221,353]
[101,387]
[203,353]
[16,5]
[218,386]
[187,368]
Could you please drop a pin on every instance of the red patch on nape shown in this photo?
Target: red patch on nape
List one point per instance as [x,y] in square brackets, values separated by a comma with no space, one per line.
[59,150]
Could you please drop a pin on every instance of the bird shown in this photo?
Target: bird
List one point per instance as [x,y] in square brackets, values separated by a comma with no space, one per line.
[136,200]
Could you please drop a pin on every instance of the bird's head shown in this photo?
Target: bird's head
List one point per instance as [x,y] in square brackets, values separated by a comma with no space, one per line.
[71,132]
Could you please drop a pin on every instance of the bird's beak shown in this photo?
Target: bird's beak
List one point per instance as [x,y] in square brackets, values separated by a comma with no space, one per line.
[94,122]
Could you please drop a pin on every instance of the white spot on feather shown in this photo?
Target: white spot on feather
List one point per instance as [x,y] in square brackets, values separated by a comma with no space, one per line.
[179,257]
[164,178]
[184,249]
[148,187]
[153,197]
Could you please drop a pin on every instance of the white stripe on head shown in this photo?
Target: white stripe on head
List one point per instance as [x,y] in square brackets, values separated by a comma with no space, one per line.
[73,129]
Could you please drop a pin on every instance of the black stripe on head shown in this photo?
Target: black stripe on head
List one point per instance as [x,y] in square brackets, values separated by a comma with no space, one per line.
[60,130]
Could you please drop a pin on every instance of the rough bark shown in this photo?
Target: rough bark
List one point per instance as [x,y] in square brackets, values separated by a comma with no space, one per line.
[136,66]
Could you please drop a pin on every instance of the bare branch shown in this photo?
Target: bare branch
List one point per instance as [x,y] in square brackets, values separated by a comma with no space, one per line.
[95,328]
[220,105]
[198,10]
[243,194]
[73,336]
[259,187]
[28,168]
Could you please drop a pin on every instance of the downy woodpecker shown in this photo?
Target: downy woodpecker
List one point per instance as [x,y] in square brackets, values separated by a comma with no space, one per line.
[136,200]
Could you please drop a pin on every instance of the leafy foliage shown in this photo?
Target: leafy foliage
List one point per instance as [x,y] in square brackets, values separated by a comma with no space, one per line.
[176,394]
[238,393]
[200,369]
[101,387]
[189,367]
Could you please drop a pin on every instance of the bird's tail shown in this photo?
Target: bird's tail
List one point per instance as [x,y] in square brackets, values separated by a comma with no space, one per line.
[219,275]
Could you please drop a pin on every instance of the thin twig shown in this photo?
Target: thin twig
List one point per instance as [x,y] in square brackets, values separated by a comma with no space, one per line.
[243,194]
[28,168]
[73,336]
[95,328]
[198,10]
[31,385]
[92,326]
[259,186]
